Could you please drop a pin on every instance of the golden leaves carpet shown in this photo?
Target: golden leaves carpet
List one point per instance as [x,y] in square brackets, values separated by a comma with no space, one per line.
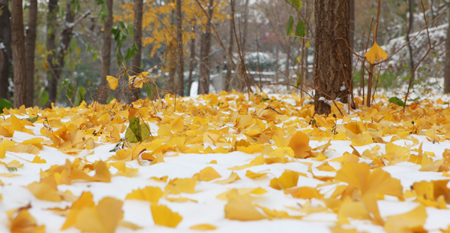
[226,163]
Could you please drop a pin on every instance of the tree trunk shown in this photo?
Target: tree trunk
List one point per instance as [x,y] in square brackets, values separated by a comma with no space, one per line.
[180,50]
[227,80]
[244,37]
[30,50]
[106,53]
[51,48]
[191,62]
[332,57]
[351,41]
[410,26]
[5,39]
[203,85]
[136,62]
[18,46]
[447,59]
[286,68]
[56,56]
[277,51]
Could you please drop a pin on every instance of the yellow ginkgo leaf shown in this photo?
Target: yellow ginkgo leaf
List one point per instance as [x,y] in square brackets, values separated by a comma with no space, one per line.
[287,180]
[412,221]
[24,222]
[113,82]
[207,174]
[300,145]
[4,145]
[44,191]
[203,227]
[163,216]
[151,194]
[376,53]
[240,208]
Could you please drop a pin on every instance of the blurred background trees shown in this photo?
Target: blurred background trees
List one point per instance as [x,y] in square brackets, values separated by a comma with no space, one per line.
[192,46]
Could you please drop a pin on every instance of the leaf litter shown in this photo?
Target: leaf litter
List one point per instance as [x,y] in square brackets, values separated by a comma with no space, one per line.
[223,162]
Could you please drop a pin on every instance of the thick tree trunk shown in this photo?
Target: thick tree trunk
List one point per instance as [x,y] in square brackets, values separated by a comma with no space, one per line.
[227,84]
[106,53]
[6,51]
[30,50]
[203,85]
[191,62]
[57,55]
[136,62]
[447,59]
[180,85]
[18,46]
[332,57]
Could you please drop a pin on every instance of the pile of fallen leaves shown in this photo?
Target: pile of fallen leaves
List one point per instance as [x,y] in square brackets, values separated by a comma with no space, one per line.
[347,154]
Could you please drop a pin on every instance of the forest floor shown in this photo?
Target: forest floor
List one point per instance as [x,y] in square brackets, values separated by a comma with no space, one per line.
[226,163]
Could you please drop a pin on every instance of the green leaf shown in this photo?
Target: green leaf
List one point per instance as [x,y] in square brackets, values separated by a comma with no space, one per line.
[79,97]
[299,80]
[43,96]
[397,101]
[4,103]
[300,29]
[32,119]
[149,90]
[95,56]
[119,56]
[289,25]
[110,98]
[12,169]
[137,132]
[297,4]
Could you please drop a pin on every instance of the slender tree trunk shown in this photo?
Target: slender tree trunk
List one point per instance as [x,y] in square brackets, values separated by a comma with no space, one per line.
[51,48]
[277,51]
[410,26]
[191,62]
[30,50]
[180,50]
[332,57]
[351,41]
[286,68]
[227,80]
[136,62]
[244,37]
[106,53]
[5,39]
[18,46]
[203,86]
[447,59]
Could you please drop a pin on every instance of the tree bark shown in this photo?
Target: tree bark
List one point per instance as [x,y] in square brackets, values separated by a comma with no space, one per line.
[203,86]
[136,62]
[410,26]
[351,41]
[245,32]
[5,39]
[447,59]
[180,50]
[30,50]
[191,62]
[106,53]
[51,48]
[18,47]
[227,80]
[332,57]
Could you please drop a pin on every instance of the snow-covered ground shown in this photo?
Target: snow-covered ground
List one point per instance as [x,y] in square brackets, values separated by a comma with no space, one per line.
[261,165]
